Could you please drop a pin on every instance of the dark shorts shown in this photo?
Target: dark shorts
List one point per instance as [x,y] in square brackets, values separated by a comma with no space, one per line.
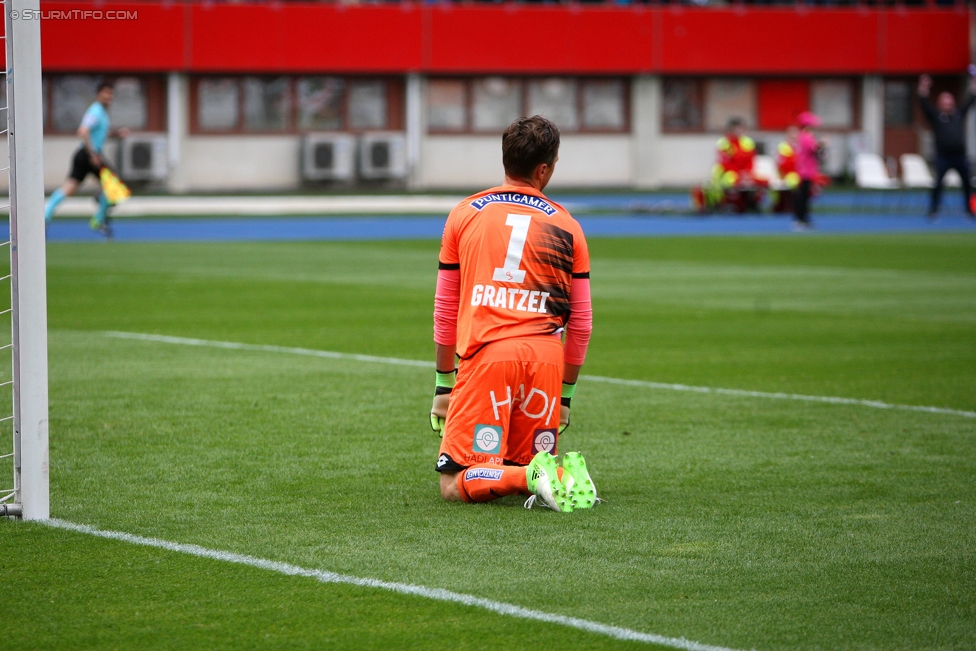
[81,166]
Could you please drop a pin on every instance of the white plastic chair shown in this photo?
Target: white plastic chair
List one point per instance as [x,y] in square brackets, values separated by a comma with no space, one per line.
[915,172]
[952,179]
[870,172]
[764,167]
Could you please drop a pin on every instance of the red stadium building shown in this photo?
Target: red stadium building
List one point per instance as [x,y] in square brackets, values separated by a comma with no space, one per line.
[270,96]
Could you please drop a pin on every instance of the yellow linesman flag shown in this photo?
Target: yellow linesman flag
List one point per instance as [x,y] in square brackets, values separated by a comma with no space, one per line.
[115,190]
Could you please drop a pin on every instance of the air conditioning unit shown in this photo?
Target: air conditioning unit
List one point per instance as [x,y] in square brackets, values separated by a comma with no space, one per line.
[382,156]
[329,157]
[143,157]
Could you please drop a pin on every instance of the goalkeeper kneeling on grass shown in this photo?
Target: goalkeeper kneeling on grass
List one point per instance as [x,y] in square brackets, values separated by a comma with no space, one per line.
[513,279]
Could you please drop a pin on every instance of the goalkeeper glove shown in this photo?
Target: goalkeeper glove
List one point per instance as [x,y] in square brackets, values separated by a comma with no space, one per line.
[443,385]
[567,397]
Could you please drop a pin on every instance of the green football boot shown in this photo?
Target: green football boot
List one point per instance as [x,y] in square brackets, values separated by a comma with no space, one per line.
[100,227]
[577,481]
[542,477]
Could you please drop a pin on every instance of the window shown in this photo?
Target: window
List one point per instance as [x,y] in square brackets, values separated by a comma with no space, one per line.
[496,103]
[833,101]
[447,105]
[139,103]
[285,104]
[71,97]
[490,104]
[729,98]
[771,104]
[129,107]
[367,104]
[320,102]
[604,104]
[682,109]
[555,99]
[218,103]
[898,103]
[267,103]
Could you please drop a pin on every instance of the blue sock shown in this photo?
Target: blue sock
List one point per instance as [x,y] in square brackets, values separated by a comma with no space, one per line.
[52,203]
[102,209]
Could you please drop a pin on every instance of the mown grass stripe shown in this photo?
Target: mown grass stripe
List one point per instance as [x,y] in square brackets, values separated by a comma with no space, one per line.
[437,594]
[875,404]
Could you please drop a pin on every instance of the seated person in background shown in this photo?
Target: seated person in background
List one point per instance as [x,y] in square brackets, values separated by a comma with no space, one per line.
[786,166]
[786,157]
[732,172]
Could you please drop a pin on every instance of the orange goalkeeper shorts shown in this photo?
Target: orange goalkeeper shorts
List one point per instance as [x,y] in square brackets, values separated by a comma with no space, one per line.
[505,405]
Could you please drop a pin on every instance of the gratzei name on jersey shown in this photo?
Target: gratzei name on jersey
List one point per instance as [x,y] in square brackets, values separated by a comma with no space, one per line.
[519,300]
[517,198]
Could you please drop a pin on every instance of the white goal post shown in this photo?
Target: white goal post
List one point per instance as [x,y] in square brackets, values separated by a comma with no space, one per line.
[30,496]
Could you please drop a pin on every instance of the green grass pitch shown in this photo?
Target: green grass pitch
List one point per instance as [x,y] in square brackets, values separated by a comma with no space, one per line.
[742,522]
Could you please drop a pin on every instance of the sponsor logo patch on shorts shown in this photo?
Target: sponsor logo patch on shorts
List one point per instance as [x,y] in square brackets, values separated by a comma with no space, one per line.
[544,440]
[483,473]
[487,439]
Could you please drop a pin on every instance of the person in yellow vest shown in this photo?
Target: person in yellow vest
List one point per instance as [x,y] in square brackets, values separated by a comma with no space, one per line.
[732,173]
[786,158]
[786,153]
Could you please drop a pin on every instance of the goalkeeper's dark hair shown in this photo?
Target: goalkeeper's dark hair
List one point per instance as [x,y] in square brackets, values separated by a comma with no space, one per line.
[102,85]
[527,143]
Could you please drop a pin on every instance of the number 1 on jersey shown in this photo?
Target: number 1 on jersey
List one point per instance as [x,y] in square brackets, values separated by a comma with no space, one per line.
[511,273]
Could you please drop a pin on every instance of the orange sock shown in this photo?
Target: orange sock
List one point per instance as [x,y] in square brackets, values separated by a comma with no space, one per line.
[486,482]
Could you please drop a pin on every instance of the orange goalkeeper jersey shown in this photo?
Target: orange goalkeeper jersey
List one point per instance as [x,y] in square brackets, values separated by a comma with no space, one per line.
[517,253]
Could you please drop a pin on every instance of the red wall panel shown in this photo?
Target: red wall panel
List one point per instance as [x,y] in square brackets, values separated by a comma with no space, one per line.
[770,41]
[780,101]
[532,39]
[152,41]
[923,42]
[305,38]
[508,38]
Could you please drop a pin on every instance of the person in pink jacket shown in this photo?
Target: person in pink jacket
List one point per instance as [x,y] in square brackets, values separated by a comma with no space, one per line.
[809,151]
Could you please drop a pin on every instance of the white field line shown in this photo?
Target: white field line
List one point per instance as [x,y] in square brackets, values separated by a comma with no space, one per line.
[876,404]
[328,354]
[265,206]
[437,594]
